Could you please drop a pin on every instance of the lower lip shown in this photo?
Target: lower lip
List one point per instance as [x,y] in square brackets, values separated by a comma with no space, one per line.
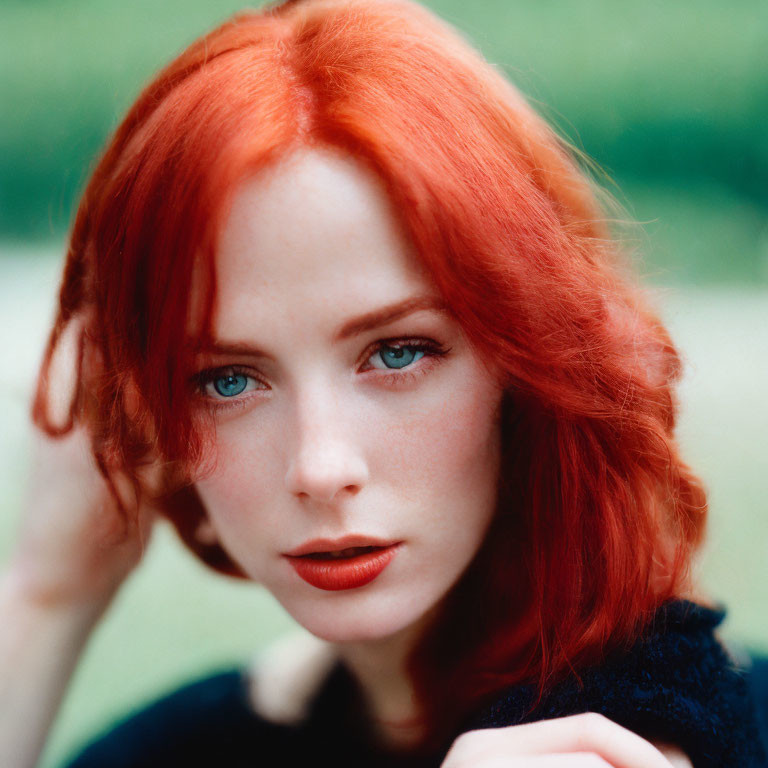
[346,572]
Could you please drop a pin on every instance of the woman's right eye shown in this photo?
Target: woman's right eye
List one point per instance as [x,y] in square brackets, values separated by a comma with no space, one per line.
[224,384]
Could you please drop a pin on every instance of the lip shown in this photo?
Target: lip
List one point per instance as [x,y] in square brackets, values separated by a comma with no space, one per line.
[332,545]
[343,573]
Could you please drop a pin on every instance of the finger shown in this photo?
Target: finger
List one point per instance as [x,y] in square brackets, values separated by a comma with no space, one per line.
[589,732]
[562,760]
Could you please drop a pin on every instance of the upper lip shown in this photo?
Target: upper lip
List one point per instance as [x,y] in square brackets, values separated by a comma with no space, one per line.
[333,545]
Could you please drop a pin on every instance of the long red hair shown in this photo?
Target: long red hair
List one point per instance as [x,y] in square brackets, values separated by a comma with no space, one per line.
[597,516]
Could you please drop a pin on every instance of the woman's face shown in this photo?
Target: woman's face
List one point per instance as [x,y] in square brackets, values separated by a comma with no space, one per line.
[324,432]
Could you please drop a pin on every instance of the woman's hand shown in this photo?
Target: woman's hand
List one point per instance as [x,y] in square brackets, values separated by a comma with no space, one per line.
[72,552]
[74,547]
[579,741]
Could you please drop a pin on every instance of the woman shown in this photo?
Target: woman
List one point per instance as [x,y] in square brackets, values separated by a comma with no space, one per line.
[347,313]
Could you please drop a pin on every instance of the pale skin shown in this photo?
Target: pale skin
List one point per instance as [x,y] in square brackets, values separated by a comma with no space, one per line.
[325,440]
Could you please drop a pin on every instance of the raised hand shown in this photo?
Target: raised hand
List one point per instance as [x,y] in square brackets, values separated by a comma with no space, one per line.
[74,545]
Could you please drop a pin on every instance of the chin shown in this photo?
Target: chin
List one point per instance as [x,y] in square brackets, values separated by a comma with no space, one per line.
[357,618]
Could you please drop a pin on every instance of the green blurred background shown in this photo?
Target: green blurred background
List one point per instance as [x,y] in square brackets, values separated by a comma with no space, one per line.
[670,99]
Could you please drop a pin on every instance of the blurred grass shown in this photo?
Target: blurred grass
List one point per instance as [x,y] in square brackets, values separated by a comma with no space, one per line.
[670,97]
[699,234]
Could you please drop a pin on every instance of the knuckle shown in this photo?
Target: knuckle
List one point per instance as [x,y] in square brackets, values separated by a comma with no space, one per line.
[590,726]
[594,719]
[466,746]
[463,742]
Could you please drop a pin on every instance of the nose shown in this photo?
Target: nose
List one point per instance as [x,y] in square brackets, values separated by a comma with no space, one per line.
[326,461]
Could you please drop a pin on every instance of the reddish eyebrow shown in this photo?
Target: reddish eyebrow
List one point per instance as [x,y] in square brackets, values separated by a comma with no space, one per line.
[379,317]
[354,327]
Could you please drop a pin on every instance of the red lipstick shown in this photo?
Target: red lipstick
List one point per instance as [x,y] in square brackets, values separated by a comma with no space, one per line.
[346,563]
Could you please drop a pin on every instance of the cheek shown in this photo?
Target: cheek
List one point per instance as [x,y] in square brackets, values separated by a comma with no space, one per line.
[242,477]
[449,444]
[441,465]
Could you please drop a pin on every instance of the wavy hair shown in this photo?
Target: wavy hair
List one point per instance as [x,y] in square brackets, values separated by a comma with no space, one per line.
[597,516]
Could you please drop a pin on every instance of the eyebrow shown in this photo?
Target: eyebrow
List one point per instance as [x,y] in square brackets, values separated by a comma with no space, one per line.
[354,327]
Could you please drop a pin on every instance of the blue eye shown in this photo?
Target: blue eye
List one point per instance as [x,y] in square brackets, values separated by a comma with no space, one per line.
[399,357]
[221,384]
[230,385]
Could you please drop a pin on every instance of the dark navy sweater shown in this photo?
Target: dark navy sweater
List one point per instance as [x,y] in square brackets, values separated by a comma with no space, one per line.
[677,685]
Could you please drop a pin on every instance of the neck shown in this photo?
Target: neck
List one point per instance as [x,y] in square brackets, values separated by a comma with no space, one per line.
[379,667]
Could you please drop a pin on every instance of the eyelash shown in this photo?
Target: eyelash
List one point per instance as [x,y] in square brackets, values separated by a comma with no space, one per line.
[432,352]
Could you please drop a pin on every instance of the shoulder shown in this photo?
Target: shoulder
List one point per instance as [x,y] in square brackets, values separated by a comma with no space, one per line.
[285,676]
[198,720]
[228,716]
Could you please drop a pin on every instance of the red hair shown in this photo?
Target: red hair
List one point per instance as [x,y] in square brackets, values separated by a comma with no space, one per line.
[598,517]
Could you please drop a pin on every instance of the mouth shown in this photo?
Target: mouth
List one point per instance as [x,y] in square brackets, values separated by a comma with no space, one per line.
[343,568]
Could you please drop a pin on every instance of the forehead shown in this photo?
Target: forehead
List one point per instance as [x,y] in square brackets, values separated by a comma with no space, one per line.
[314,234]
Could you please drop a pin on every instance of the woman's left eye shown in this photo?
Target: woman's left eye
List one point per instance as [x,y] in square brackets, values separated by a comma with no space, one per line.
[402,354]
